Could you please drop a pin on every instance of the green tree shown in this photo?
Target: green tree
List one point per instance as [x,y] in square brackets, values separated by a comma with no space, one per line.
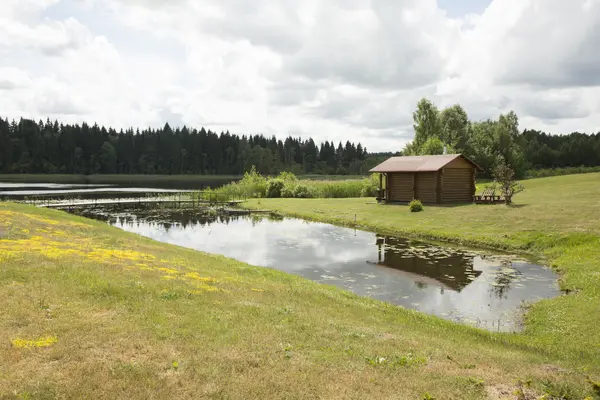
[434,146]
[426,122]
[108,158]
[454,124]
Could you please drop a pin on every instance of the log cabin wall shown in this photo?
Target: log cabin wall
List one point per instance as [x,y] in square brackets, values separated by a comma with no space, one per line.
[400,186]
[425,187]
[458,182]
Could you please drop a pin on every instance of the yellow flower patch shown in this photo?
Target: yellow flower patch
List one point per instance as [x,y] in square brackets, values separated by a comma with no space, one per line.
[203,287]
[195,276]
[118,256]
[28,344]
[257,290]
[37,244]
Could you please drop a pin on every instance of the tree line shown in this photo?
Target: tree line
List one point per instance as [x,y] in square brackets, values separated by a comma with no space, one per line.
[492,141]
[27,146]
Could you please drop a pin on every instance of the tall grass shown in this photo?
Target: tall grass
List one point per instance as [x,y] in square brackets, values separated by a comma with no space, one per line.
[255,185]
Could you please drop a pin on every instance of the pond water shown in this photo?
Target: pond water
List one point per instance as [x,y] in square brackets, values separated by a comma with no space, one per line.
[478,288]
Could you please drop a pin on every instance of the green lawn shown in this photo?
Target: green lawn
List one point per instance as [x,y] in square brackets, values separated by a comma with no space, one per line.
[90,311]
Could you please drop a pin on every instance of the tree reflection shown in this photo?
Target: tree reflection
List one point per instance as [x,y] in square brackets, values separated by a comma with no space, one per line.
[504,280]
[426,264]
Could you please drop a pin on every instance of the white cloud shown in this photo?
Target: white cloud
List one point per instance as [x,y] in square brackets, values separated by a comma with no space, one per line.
[333,70]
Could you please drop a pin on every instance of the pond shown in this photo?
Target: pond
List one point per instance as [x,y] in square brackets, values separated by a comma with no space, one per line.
[474,287]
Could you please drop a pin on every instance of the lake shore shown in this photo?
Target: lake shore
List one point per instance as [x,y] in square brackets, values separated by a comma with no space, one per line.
[92,311]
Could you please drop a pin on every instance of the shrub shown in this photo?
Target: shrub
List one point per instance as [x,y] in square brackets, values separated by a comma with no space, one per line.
[287,177]
[274,188]
[302,192]
[370,186]
[252,184]
[415,206]
[504,180]
[366,191]
[288,191]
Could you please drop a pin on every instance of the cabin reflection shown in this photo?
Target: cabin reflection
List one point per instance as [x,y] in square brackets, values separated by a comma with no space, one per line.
[450,271]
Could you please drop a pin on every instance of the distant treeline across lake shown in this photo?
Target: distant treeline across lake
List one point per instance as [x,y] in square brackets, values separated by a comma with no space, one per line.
[29,147]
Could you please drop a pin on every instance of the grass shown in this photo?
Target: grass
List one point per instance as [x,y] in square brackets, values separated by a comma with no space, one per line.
[90,311]
[557,219]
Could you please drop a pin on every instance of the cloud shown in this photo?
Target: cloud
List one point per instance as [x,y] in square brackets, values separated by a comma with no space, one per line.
[13,78]
[384,44]
[337,70]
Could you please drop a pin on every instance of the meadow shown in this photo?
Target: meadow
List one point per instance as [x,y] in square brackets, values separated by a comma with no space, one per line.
[90,311]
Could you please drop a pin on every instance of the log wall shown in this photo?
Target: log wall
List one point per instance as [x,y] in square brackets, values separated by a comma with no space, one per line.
[426,187]
[457,185]
[400,187]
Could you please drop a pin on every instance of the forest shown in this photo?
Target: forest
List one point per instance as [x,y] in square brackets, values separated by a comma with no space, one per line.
[27,146]
[485,142]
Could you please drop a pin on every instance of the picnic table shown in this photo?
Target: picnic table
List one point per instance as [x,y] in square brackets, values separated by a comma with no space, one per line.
[488,196]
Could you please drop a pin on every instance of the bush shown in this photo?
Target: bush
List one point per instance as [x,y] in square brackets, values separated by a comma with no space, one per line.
[367,192]
[274,188]
[287,177]
[302,192]
[416,206]
[370,186]
[288,191]
[252,185]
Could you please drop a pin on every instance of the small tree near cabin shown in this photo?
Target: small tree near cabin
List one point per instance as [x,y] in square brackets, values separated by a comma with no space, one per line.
[504,180]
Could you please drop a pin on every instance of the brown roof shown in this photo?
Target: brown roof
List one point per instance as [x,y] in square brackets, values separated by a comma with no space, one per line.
[419,163]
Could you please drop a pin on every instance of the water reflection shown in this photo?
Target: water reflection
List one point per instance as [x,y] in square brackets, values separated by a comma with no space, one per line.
[478,288]
[426,265]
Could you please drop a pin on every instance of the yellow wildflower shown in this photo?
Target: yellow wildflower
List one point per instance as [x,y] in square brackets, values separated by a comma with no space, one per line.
[195,276]
[41,342]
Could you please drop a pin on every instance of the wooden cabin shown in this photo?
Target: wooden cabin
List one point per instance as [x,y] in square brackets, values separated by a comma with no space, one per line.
[442,179]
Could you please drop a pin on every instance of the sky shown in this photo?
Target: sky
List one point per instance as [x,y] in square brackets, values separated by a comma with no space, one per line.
[333,70]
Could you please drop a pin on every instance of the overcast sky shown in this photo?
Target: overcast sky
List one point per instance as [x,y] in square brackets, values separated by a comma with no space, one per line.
[335,69]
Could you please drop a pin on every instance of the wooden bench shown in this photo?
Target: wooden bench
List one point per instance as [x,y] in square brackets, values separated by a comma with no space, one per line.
[488,196]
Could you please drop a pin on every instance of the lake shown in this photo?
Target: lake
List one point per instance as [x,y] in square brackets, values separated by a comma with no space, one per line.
[479,288]
[57,191]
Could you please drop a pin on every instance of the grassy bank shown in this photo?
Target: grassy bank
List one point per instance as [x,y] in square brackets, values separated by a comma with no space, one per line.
[90,311]
[556,218]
